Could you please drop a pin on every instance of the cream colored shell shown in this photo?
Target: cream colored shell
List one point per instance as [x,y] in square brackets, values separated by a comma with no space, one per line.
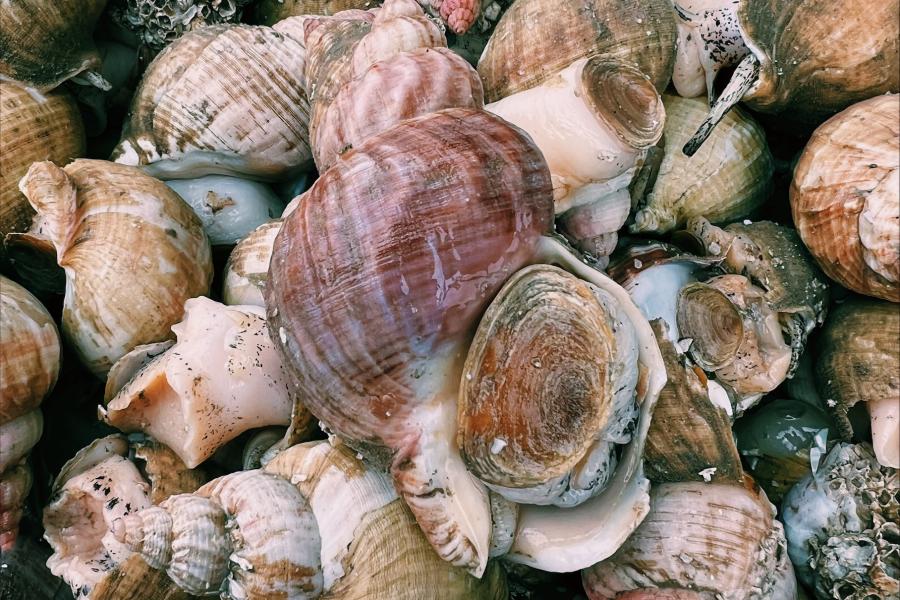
[248,266]
[729,177]
[132,251]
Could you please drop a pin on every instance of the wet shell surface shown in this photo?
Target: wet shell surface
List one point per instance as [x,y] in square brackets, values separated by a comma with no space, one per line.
[132,252]
[35,127]
[43,44]
[225,99]
[535,39]
[713,539]
[845,197]
[220,378]
[248,266]
[728,178]
[859,361]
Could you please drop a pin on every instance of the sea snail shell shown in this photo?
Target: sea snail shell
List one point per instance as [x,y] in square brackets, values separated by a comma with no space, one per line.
[845,197]
[374,312]
[132,252]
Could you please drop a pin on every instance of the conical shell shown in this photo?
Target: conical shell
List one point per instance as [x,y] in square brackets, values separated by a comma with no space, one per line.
[845,196]
[274,536]
[15,483]
[221,378]
[815,60]
[35,128]
[269,12]
[859,361]
[371,544]
[42,44]
[225,100]
[729,177]
[535,39]
[29,351]
[709,538]
[404,86]
[548,389]
[94,210]
[247,268]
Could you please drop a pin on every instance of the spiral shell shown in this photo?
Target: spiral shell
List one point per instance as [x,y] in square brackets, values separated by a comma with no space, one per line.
[93,210]
[535,39]
[43,44]
[709,538]
[245,535]
[844,197]
[859,361]
[221,378]
[35,128]
[248,266]
[728,178]
[371,545]
[225,99]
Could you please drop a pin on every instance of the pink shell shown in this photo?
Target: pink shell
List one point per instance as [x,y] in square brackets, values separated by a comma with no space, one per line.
[393,255]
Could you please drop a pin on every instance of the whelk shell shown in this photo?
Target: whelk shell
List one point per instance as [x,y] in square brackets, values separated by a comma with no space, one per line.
[132,252]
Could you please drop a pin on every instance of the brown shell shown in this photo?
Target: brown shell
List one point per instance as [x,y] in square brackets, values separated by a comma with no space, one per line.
[132,249]
[30,351]
[226,99]
[817,57]
[535,39]
[43,43]
[412,240]
[15,483]
[35,128]
[845,197]
[859,357]
[166,473]
[408,85]
[269,12]
[688,433]
[537,379]
[134,578]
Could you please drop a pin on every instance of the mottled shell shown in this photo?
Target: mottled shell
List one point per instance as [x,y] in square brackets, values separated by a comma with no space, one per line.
[709,538]
[269,12]
[371,544]
[15,483]
[690,433]
[410,240]
[133,252]
[845,196]
[535,39]
[408,85]
[35,128]
[160,22]
[729,177]
[815,60]
[165,472]
[542,387]
[18,436]
[225,99]
[859,361]
[221,378]
[42,44]
[247,268]
[29,351]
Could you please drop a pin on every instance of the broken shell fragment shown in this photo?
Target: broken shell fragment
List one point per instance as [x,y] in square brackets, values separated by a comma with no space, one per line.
[221,378]
[226,100]
[35,127]
[842,526]
[44,43]
[372,546]
[713,539]
[229,207]
[844,197]
[728,178]
[535,39]
[132,252]
[859,361]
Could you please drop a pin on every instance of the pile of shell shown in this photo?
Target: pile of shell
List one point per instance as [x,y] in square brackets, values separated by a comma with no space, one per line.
[552,315]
